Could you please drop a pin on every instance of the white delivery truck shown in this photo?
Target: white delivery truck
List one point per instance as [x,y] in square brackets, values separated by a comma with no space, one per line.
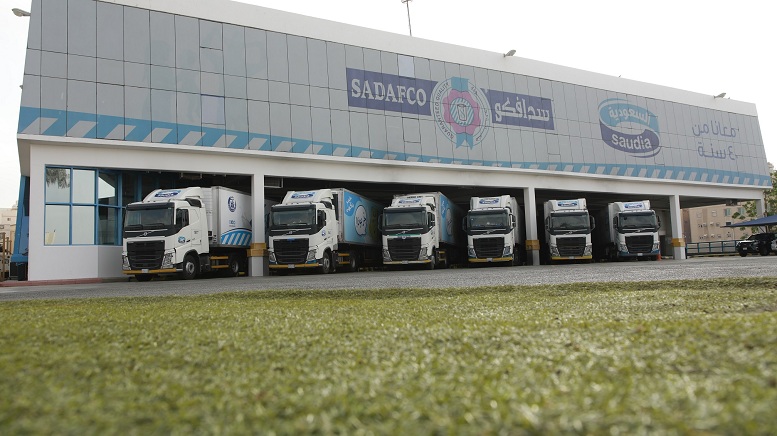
[187,231]
[627,230]
[421,229]
[568,230]
[321,229]
[493,230]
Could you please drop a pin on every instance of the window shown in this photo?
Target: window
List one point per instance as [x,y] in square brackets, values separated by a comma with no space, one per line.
[182,218]
[82,207]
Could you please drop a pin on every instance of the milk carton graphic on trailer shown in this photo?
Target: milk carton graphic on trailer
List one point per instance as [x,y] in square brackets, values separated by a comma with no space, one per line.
[493,230]
[421,229]
[323,229]
[568,230]
[628,230]
[187,231]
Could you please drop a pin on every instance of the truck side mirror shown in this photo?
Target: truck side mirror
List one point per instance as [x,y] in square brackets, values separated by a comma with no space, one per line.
[547,223]
[593,222]
[513,222]
[380,222]
[431,219]
[464,223]
[658,221]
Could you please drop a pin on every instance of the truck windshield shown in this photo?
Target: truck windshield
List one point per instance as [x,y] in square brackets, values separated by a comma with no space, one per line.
[569,222]
[149,218]
[637,221]
[405,219]
[292,217]
[488,221]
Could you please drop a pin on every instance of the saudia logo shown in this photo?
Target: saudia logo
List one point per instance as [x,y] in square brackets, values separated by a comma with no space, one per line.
[231,204]
[621,122]
[461,111]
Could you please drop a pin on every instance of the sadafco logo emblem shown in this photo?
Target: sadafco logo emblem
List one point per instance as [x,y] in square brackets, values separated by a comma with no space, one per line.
[629,128]
[461,111]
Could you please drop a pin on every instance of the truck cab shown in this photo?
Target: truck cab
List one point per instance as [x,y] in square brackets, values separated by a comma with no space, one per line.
[631,231]
[493,233]
[303,232]
[166,233]
[568,228]
[410,231]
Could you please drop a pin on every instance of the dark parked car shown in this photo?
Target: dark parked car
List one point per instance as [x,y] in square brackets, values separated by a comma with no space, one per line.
[760,243]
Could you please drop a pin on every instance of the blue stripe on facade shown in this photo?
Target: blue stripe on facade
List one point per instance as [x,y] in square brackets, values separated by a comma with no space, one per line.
[139,130]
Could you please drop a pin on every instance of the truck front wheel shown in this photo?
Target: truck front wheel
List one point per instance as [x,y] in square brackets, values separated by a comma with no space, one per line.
[432,261]
[189,267]
[326,263]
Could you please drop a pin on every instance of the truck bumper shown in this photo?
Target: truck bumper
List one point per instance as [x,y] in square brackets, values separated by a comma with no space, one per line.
[151,271]
[589,257]
[405,262]
[490,259]
[295,266]
[627,255]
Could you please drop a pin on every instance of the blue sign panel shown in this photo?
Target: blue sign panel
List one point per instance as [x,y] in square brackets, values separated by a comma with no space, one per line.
[372,90]
[521,110]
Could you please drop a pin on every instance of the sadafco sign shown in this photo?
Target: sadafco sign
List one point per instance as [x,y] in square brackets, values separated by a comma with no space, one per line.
[629,128]
[463,112]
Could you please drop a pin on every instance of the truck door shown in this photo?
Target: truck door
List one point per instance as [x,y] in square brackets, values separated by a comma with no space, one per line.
[197,227]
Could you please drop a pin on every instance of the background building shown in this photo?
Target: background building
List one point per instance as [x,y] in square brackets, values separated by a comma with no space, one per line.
[120,99]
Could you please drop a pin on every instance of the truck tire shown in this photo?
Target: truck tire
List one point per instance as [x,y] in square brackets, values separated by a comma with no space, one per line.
[234,266]
[763,250]
[353,262]
[743,253]
[190,267]
[326,263]
[432,261]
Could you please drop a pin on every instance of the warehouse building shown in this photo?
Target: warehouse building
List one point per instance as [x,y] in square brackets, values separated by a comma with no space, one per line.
[119,99]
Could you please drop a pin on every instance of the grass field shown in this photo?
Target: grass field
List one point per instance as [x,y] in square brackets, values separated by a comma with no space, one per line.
[697,357]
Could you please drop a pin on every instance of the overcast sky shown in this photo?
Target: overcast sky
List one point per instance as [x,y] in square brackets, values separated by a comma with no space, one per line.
[702,46]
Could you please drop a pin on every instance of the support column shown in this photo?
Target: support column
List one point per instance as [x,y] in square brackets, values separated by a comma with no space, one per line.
[760,208]
[530,216]
[676,216]
[257,260]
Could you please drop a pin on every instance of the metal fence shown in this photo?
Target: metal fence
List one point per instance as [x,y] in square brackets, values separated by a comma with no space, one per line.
[710,248]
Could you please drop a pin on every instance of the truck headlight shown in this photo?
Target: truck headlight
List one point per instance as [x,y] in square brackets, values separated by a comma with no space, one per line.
[587,251]
[471,252]
[311,255]
[125,262]
[554,250]
[422,254]
[508,251]
[622,247]
[271,256]
[386,256]
[656,246]
[167,260]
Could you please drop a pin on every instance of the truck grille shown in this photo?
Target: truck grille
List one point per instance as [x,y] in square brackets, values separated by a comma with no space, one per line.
[570,246]
[291,250]
[145,254]
[404,249]
[639,244]
[489,247]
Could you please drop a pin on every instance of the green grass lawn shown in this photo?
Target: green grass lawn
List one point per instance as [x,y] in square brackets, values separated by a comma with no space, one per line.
[696,357]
